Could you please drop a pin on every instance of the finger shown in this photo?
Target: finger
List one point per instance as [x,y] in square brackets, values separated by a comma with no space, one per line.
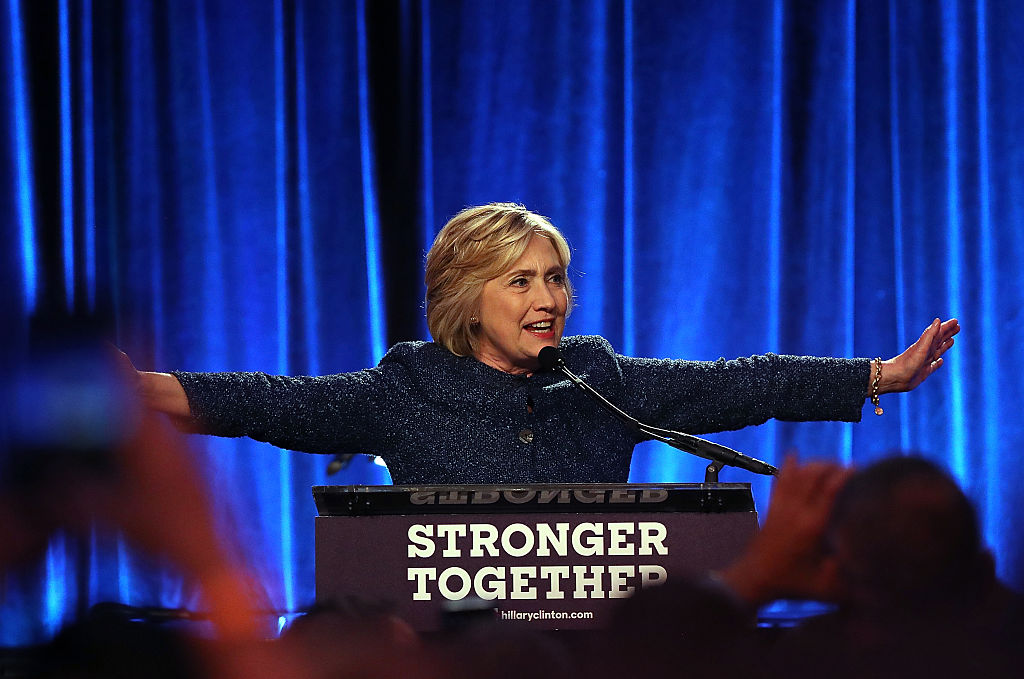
[929,370]
[943,348]
[921,351]
[927,338]
[788,469]
[790,461]
[807,483]
[918,352]
[951,327]
[948,329]
[932,328]
[826,478]
[840,475]
[831,485]
[923,373]
[943,337]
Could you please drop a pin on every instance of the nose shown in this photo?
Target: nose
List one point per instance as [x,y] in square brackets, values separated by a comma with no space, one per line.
[544,298]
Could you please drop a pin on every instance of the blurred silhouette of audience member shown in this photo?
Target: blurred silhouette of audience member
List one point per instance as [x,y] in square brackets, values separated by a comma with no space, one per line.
[896,546]
[111,648]
[497,650]
[907,542]
[78,456]
[916,588]
[705,625]
[358,639]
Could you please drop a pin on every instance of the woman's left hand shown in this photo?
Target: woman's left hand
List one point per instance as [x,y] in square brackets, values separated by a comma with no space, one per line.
[919,361]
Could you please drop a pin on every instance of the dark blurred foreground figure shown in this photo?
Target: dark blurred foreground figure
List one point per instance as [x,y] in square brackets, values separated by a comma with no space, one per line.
[112,648]
[918,588]
[895,546]
[356,639]
[495,650]
[78,459]
[706,625]
[907,541]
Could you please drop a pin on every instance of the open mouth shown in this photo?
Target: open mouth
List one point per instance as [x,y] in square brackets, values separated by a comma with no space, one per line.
[542,329]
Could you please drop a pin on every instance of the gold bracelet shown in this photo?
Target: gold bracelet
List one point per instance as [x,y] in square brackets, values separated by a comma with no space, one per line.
[874,385]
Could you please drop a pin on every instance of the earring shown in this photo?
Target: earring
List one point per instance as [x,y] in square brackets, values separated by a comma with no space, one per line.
[473,320]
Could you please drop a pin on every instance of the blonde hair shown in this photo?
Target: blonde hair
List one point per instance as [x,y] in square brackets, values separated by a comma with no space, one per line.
[476,245]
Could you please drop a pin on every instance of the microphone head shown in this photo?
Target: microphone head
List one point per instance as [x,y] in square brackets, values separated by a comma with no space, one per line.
[549,358]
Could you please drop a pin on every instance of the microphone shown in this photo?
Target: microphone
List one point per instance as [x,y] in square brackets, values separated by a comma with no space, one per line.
[550,358]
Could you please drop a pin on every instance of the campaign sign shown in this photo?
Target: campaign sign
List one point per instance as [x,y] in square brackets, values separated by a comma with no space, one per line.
[548,556]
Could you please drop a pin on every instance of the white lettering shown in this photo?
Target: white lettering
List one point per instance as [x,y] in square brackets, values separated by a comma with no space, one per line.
[454,594]
[484,537]
[594,582]
[419,546]
[555,575]
[585,539]
[531,582]
[497,591]
[547,538]
[528,540]
[618,589]
[421,575]
[652,538]
[618,545]
[594,546]
[652,575]
[451,531]
[521,588]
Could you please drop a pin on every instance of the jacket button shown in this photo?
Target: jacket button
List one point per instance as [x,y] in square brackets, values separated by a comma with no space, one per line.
[526,436]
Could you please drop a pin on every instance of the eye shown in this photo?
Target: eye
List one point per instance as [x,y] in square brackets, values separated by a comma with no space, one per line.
[519,282]
[557,279]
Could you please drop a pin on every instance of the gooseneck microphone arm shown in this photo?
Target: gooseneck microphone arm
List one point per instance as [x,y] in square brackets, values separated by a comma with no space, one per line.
[551,359]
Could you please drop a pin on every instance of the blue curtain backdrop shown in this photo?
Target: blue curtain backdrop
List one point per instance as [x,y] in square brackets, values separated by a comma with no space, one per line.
[252,186]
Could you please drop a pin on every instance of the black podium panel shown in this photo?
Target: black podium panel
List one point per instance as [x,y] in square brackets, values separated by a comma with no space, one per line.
[550,556]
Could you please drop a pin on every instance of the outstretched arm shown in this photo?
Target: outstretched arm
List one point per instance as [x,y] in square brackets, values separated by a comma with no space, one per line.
[310,414]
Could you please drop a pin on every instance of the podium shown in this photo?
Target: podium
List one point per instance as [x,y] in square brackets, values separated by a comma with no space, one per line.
[547,556]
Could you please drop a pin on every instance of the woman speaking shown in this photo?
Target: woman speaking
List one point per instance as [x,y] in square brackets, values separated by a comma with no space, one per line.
[473,406]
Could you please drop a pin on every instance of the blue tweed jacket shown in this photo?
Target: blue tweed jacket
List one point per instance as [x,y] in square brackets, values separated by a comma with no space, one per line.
[437,418]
